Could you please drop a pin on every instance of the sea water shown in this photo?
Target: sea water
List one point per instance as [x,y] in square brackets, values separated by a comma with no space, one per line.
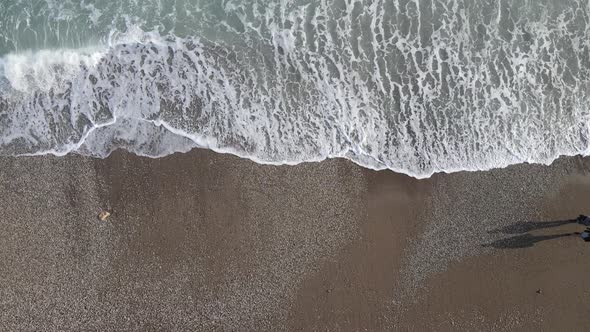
[414,86]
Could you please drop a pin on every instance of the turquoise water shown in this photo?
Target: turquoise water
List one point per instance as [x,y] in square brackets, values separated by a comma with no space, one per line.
[413,86]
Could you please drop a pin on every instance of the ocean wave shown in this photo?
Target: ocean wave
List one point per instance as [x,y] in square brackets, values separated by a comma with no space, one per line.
[412,87]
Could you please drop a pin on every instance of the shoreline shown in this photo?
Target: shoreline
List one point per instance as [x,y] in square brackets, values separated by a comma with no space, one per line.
[229,152]
[211,241]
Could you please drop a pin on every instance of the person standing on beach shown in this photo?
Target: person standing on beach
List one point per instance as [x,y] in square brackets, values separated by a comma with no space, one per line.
[584,220]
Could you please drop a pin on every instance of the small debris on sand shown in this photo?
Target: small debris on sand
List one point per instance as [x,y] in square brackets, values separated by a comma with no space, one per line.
[539,291]
[103,215]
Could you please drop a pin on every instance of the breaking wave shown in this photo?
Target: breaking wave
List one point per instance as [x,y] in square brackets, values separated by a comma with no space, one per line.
[417,87]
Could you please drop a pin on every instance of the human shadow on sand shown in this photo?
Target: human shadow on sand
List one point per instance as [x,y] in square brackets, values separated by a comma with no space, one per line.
[524,240]
[526,227]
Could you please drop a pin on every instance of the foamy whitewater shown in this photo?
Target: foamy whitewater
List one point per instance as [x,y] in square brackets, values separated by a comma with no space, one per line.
[413,86]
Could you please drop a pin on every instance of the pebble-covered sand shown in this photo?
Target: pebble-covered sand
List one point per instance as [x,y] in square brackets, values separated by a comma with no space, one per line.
[203,241]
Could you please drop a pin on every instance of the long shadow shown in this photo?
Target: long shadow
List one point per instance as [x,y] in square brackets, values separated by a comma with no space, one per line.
[524,241]
[531,226]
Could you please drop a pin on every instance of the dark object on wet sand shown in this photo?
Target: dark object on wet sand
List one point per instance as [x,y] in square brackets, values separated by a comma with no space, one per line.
[584,220]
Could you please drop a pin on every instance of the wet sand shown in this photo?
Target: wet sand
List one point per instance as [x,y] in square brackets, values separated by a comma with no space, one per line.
[202,241]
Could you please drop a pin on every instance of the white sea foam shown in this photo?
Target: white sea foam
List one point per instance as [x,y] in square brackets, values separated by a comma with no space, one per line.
[389,85]
[30,72]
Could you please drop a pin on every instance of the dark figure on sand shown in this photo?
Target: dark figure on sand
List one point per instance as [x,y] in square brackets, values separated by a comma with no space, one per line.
[585,220]
[528,240]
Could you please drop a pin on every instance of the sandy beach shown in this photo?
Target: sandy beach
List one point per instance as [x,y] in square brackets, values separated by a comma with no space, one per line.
[205,241]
